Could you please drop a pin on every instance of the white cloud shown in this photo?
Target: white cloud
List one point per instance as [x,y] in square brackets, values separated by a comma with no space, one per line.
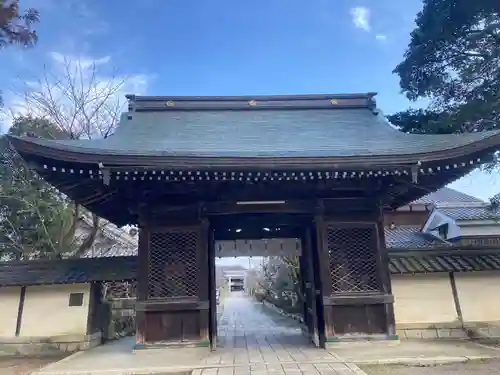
[381,37]
[85,62]
[361,18]
[72,88]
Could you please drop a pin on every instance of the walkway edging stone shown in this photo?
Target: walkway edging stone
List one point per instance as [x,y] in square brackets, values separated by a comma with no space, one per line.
[283,312]
[425,361]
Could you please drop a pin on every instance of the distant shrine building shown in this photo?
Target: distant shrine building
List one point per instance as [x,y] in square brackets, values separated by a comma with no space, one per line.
[322,169]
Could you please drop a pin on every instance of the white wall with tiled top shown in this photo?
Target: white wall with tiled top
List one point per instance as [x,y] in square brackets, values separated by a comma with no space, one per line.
[423,299]
[47,312]
[479,295]
[9,307]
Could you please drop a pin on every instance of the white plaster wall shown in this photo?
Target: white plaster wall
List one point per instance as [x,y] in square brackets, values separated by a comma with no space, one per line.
[47,312]
[423,299]
[479,296]
[9,306]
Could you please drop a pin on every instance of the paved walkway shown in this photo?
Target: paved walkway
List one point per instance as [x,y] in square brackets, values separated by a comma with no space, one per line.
[256,340]
[247,323]
[253,340]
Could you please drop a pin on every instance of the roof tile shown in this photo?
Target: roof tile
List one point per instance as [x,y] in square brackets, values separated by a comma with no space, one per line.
[447,195]
[67,271]
[125,268]
[469,213]
[404,237]
[262,133]
[443,263]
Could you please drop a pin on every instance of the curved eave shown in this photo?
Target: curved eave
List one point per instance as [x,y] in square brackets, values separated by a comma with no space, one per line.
[72,154]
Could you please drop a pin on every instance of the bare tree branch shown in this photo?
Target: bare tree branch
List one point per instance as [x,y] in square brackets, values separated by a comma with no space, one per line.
[82,105]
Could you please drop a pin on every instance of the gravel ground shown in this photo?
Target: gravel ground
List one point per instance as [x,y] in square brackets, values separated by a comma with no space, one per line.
[24,366]
[489,367]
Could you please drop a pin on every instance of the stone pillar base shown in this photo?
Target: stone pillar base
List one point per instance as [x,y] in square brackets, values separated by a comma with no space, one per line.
[174,345]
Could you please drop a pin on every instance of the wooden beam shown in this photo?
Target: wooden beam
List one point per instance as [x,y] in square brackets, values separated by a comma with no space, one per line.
[456,298]
[197,209]
[22,297]
[189,191]
[358,299]
[257,207]
[259,221]
[255,233]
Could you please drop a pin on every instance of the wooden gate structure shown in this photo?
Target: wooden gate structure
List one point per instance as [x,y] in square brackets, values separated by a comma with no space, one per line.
[322,168]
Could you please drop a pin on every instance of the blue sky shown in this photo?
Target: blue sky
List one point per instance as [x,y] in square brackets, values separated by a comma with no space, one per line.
[222,47]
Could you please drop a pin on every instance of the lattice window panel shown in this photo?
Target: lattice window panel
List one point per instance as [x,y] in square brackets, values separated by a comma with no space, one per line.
[353,259]
[173,266]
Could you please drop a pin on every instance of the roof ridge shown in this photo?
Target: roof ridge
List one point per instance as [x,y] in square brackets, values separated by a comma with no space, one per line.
[284,97]
[247,102]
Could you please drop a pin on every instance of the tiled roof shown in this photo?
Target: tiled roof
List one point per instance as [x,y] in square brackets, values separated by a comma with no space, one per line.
[72,271]
[409,238]
[114,251]
[67,271]
[469,213]
[210,127]
[122,243]
[113,232]
[423,263]
[447,195]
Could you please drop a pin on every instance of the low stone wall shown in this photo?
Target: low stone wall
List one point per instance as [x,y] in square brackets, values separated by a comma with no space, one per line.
[48,345]
[121,318]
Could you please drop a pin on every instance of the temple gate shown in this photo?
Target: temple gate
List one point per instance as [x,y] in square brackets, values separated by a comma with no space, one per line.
[321,168]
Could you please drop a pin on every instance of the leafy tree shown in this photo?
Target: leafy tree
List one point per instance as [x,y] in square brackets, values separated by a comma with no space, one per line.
[17,27]
[36,220]
[29,208]
[73,104]
[453,59]
[279,275]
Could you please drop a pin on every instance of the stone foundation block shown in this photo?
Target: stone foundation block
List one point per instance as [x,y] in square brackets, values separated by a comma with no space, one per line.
[413,333]
[48,345]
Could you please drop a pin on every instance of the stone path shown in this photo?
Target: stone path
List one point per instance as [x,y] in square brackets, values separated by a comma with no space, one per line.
[256,340]
[253,340]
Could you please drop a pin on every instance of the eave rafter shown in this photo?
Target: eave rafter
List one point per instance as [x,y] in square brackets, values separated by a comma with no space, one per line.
[117,192]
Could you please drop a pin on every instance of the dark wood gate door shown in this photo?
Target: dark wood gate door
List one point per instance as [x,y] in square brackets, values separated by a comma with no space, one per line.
[310,288]
[212,282]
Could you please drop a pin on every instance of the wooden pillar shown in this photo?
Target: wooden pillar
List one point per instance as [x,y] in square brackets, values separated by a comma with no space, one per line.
[142,285]
[385,278]
[357,299]
[311,286]
[172,306]
[212,285]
